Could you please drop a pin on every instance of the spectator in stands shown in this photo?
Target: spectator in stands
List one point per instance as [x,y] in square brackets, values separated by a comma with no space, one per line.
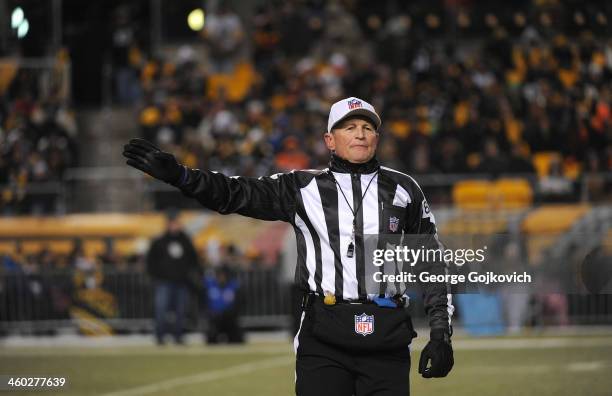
[12,263]
[493,162]
[519,161]
[172,263]
[37,143]
[109,258]
[517,80]
[125,56]
[224,34]
[292,156]
[554,187]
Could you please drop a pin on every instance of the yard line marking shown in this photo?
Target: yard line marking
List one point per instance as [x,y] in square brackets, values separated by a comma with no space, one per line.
[522,369]
[208,376]
[537,368]
[585,366]
[530,343]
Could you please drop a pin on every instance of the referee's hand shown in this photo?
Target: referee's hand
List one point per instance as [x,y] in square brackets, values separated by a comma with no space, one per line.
[145,156]
[440,352]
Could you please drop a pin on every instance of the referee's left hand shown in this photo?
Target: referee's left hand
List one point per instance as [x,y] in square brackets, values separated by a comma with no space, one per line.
[440,352]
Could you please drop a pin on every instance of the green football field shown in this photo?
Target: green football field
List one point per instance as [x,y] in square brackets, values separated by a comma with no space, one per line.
[571,365]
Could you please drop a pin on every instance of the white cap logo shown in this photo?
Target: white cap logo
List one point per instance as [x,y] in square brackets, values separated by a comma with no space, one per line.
[354,103]
[350,107]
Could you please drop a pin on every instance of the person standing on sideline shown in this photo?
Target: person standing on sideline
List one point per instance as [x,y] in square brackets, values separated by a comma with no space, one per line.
[223,301]
[172,263]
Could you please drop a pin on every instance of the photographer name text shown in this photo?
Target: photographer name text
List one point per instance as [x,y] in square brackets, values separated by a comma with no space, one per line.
[486,278]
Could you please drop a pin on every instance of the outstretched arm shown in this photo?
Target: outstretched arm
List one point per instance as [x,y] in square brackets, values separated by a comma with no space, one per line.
[266,198]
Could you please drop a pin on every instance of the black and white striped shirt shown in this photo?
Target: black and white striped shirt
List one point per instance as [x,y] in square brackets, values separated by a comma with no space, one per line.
[320,205]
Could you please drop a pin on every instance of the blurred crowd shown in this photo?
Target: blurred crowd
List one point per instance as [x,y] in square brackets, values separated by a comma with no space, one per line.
[461,88]
[47,284]
[37,135]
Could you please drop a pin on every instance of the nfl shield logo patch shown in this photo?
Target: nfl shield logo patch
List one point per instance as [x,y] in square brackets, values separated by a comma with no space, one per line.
[364,324]
[354,104]
[393,223]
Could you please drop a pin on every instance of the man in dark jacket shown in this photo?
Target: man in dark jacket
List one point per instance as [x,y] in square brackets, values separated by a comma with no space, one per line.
[172,263]
[355,332]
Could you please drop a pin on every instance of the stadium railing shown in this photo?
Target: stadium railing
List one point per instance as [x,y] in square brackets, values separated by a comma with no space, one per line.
[114,302]
[121,302]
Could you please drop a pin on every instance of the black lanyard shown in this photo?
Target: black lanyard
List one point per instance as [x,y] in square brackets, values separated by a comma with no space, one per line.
[351,247]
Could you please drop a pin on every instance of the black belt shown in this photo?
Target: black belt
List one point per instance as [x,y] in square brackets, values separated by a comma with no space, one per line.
[309,298]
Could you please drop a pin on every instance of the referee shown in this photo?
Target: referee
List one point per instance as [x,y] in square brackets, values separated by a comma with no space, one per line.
[354,333]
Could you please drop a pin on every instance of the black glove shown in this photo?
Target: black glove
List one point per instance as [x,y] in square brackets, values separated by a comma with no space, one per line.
[440,351]
[144,156]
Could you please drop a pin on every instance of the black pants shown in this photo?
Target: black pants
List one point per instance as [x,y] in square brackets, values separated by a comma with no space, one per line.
[327,370]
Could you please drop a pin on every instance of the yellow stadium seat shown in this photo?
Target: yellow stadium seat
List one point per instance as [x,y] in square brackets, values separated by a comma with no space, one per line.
[472,194]
[485,194]
[513,193]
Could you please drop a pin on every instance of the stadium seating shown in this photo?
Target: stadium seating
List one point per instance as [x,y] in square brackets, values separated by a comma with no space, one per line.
[500,194]
[472,194]
[514,193]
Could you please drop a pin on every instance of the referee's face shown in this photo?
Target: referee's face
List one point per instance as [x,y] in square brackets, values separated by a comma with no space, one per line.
[353,139]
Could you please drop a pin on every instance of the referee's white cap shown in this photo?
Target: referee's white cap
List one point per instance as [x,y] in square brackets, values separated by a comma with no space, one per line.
[350,107]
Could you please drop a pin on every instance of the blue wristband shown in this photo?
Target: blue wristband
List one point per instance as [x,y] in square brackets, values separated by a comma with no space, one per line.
[184,175]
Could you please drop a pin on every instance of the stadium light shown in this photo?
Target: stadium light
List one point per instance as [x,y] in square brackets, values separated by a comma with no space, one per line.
[16,17]
[195,19]
[19,22]
[23,29]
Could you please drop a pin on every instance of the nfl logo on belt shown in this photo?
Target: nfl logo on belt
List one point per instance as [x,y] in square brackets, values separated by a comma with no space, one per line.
[364,324]
[393,223]
[353,104]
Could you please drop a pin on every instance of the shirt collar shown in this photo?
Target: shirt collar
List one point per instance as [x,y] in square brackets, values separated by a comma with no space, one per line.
[341,165]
